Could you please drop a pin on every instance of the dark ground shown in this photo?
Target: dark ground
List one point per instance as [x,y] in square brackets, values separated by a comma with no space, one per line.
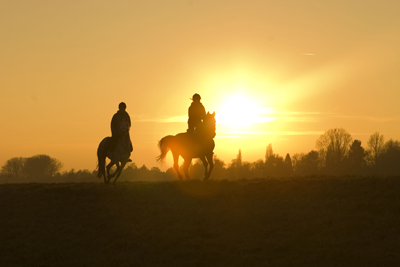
[295,222]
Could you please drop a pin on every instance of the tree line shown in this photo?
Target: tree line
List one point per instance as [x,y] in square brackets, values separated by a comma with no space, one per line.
[336,154]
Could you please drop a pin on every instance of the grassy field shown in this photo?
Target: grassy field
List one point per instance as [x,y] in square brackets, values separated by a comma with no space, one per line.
[296,222]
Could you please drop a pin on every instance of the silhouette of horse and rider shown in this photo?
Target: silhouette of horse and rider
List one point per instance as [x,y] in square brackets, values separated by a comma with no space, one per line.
[196,142]
[117,148]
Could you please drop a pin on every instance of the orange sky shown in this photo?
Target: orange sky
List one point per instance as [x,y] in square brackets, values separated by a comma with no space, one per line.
[301,67]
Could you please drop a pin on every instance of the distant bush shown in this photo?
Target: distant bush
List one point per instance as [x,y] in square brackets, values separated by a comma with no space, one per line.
[39,168]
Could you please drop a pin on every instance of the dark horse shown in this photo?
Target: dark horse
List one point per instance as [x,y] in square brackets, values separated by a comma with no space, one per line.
[120,155]
[188,146]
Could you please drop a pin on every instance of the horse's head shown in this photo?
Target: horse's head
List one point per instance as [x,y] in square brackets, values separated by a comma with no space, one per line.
[124,126]
[208,127]
[125,138]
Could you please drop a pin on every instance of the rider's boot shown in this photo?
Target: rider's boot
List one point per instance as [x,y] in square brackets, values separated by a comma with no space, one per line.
[131,148]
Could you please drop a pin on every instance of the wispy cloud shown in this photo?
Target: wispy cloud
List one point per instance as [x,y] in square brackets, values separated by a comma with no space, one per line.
[264,115]
[368,118]
[318,116]
[160,119]
[288,116]
[250,134]
[267,114]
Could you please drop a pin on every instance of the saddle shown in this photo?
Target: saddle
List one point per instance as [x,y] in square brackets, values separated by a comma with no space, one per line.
[112,146]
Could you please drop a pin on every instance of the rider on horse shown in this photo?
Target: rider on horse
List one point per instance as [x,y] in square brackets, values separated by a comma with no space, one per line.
[197,112]
[120,118]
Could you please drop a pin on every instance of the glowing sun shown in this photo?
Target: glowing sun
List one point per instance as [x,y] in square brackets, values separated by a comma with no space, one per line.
[240,111]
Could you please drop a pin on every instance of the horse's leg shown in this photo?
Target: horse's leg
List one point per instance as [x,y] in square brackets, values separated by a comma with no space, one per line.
[120,168]
[116,171]
[109,176]
[211,162]
[176,165]
[186,165]
[102,167]
[205,164]
[104,172]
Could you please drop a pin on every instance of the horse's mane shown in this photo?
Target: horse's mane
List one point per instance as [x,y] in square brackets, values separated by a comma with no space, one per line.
[207,129]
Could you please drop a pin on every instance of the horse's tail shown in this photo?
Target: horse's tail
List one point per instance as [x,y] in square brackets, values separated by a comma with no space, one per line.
[164,145]
[101,160]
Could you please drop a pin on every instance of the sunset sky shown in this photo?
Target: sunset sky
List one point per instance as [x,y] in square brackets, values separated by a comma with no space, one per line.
[279,72]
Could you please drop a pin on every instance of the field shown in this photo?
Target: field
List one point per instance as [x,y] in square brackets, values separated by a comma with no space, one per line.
[276,222]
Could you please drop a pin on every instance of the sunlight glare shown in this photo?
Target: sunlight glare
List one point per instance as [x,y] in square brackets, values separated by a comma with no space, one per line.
[240,111]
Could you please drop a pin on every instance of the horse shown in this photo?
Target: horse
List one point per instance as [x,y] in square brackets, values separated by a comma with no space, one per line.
[120,155]
[191,145]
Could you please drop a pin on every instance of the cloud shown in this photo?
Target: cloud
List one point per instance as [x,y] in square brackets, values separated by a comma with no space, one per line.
[250,134]
[267,114]
[163,119]
[368,118]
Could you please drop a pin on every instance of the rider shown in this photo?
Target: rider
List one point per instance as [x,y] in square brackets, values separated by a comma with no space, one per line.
[116,133]
[197,112]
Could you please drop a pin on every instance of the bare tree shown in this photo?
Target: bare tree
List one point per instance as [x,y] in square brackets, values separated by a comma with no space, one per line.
[333,148]
[13,167]
[376,144]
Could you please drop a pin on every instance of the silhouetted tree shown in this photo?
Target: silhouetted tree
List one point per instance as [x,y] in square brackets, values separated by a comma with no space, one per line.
[306,164]
[288,165]
[239,159]
[258,168]
[219,169]
[390,158]
[269,161]
[66,176]
[234,170]
[143,172]
[333,148]
[245,170]
[356,159]
[129,173]
[274,164]
[41,167]
[296,163]
[376,144]
[279,168]
[269,152]
[312,162]
[14,167]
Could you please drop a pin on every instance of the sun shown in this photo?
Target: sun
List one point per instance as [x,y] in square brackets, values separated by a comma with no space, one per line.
[240,111]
